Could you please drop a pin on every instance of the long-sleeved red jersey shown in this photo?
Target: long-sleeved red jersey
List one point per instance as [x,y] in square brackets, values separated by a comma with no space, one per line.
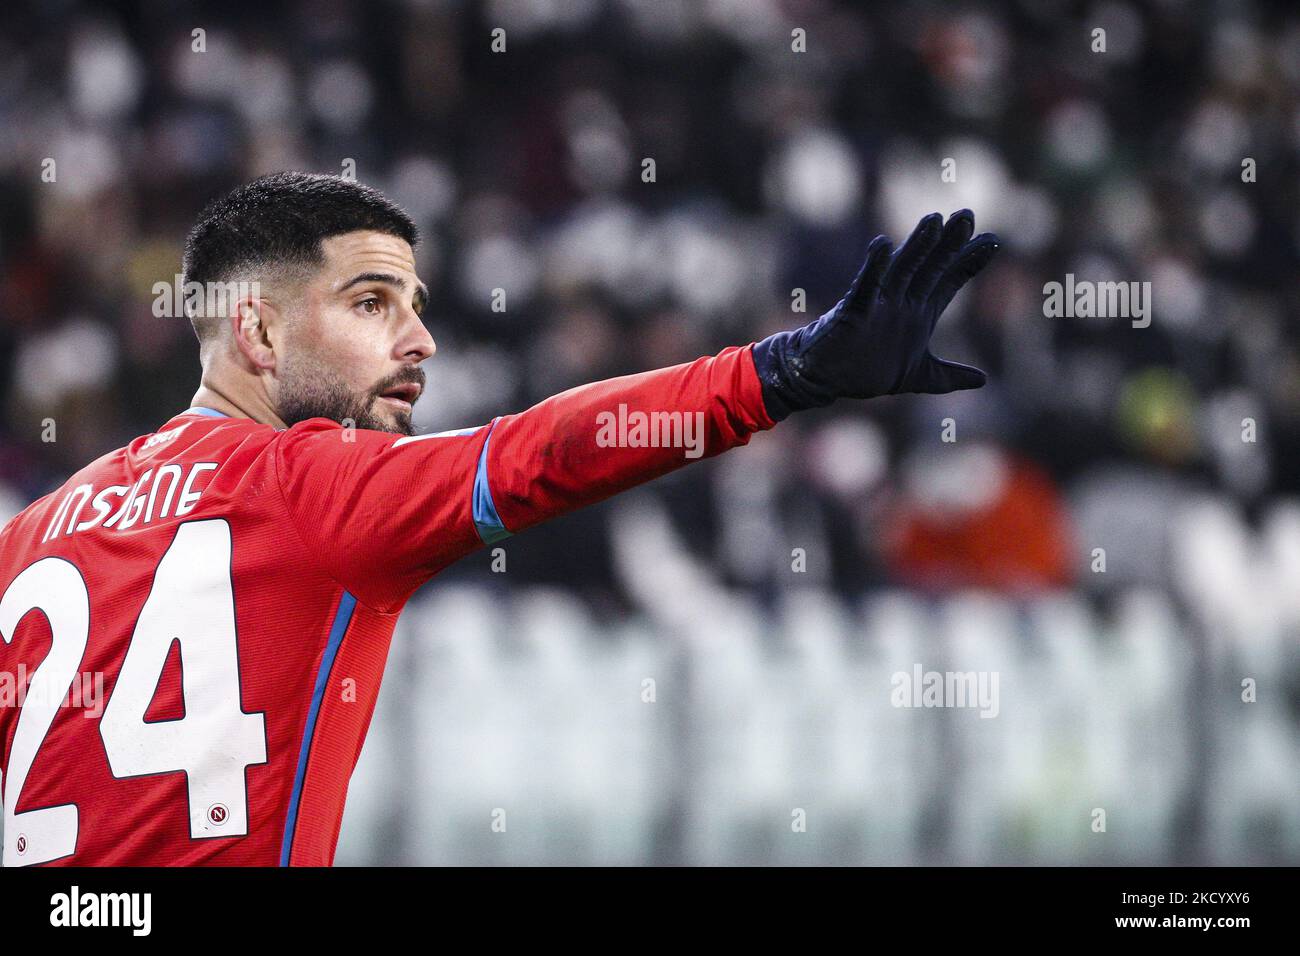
[195,626]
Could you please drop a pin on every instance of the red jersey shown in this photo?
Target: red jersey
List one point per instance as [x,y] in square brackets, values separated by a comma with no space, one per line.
[195,626]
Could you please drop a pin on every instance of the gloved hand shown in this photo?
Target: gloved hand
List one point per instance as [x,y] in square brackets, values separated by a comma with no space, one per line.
[876,341]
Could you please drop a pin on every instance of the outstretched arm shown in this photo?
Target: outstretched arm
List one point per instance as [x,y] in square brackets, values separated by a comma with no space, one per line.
[408,507]
[588,443]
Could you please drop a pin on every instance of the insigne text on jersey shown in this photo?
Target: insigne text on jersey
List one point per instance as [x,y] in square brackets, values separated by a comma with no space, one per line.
[150,499]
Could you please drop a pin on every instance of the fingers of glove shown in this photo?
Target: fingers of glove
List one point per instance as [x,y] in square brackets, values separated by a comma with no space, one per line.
[975,255]
[957,232]
[941,376]
[866,286]
[910,255]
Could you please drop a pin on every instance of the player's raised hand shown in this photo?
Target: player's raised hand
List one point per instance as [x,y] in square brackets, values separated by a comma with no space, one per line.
[876,340]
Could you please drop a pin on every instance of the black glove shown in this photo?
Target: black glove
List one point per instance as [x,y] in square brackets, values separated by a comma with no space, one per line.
[876,341]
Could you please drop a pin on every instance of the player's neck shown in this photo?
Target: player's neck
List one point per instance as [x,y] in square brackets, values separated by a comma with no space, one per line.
[258,411]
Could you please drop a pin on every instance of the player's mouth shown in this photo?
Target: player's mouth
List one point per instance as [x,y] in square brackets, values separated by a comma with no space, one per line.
[402,397]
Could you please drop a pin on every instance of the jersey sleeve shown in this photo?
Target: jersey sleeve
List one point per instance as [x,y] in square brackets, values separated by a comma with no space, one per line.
[382,513]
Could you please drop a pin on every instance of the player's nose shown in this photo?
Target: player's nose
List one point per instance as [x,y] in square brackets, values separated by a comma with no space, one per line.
[416,344]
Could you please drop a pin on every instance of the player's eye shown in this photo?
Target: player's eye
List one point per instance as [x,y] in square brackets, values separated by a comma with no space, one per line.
[371,306]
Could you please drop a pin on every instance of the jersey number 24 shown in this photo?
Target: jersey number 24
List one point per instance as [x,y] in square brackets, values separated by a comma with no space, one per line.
[192,601]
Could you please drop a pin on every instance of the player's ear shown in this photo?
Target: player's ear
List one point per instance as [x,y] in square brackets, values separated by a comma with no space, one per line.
[251,323]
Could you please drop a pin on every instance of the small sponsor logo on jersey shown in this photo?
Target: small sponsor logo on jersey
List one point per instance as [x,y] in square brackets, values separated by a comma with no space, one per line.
[162,438]
[21,844]
[218,814]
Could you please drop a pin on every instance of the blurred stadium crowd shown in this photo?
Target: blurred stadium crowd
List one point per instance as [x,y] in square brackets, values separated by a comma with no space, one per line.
[772,171]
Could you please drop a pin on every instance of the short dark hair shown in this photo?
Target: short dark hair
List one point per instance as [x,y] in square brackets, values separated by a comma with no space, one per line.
[279,221]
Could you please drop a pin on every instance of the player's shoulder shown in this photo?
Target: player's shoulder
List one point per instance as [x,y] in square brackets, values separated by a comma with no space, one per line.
[190,436]
[240,444]
[202,439]
[204,433]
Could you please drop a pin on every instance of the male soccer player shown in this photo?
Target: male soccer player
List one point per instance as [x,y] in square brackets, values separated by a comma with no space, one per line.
[234,578]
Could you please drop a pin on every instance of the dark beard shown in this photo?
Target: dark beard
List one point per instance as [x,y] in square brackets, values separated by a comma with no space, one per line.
[333,401]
